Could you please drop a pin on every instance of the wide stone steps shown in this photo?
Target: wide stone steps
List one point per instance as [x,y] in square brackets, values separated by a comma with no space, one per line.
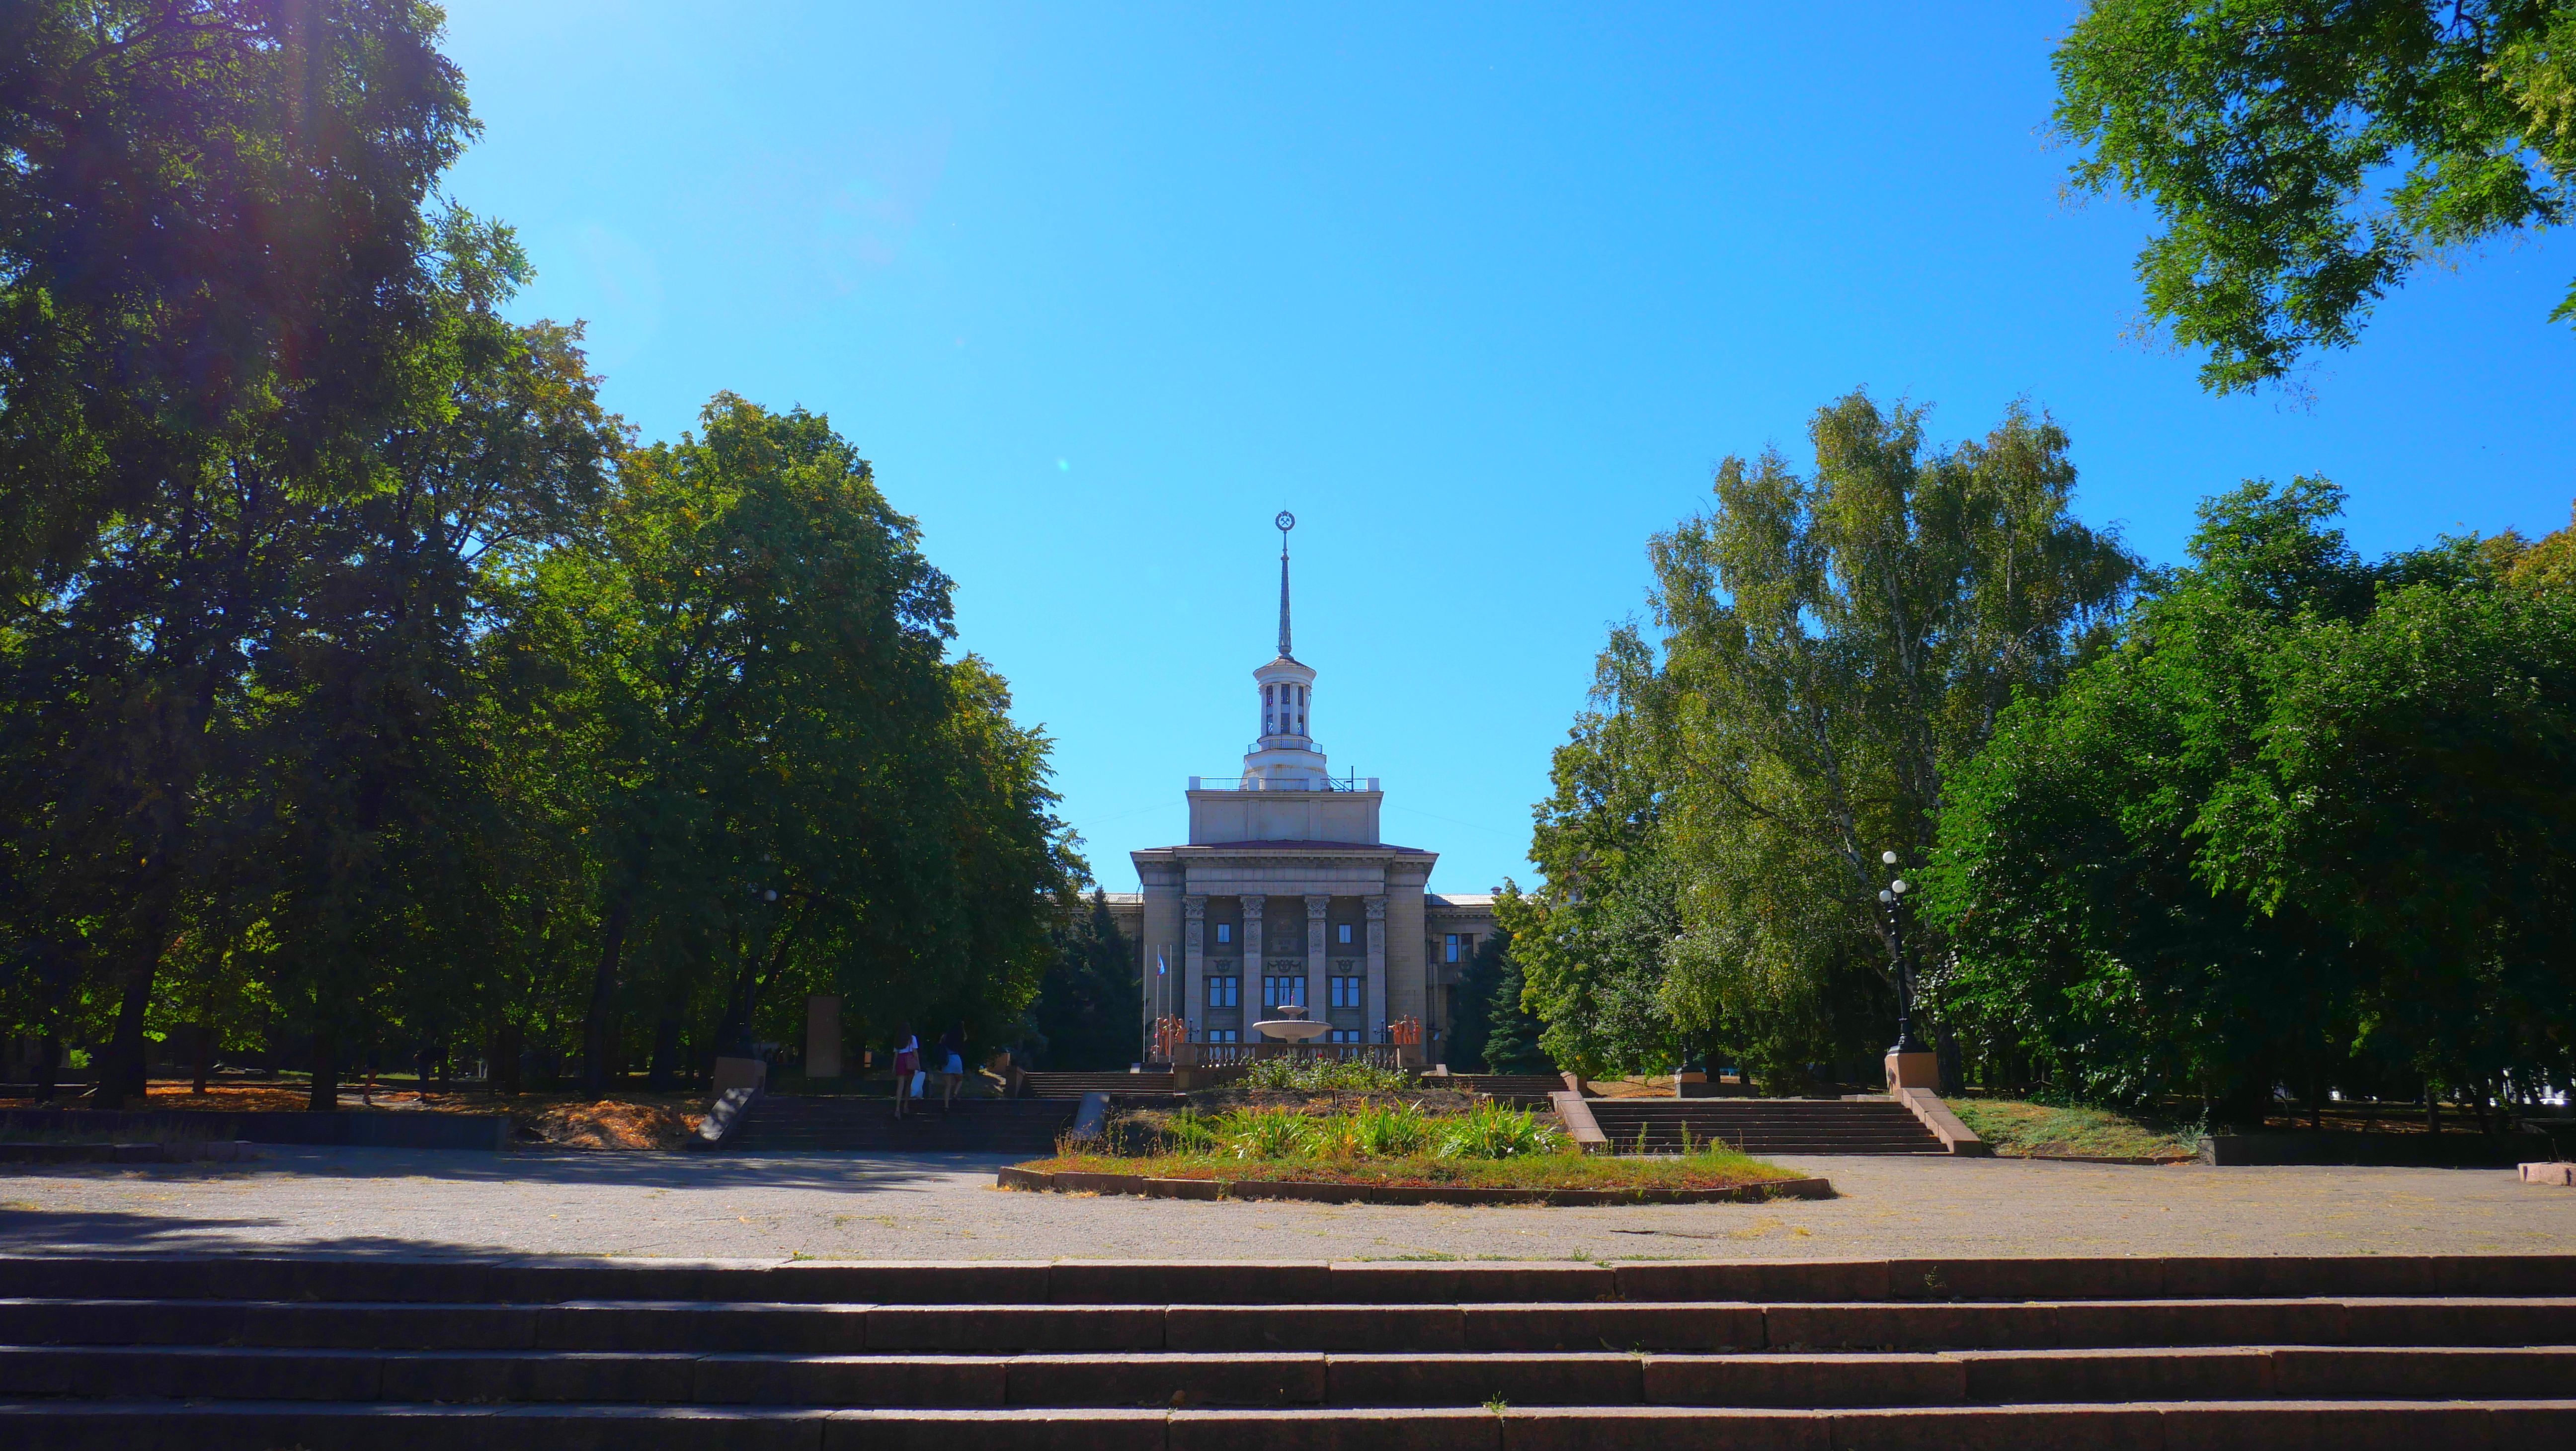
[1540,1378]
[840,1329]
[1764,1125]
[1075,1085]
[1851,1355]
[2392,1425]
[779,1124]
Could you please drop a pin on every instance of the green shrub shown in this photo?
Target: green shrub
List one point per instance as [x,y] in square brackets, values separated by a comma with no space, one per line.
[1495,1132]
[1190,1132]
[1268,1134]
[1391,1131]
[1315,1075]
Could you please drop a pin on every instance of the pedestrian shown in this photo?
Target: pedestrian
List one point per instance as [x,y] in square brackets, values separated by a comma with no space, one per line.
[952,1053]
[907,1067]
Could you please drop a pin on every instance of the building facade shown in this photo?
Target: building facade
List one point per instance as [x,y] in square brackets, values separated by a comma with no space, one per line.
[1288,893]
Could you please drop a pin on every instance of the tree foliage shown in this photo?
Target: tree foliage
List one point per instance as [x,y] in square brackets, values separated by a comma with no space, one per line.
[2306,155]
[2309,823]
[1492,1031]
[1088,1015]
[364,687]
[1833,647]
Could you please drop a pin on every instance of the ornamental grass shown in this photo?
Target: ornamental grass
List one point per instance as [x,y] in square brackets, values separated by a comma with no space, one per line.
[1490,1147]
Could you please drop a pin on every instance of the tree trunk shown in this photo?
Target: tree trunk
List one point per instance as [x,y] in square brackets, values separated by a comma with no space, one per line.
[324,1096]
[49,1062]
[121,1067]
[502,1077]
[205,1058]
[1946,1054]
[603,988]
[663,1074]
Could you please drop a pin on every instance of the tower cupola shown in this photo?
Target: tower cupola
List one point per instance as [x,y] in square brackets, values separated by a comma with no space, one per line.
[1284,752]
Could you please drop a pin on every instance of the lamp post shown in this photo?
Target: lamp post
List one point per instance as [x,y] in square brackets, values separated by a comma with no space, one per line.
[1893,897]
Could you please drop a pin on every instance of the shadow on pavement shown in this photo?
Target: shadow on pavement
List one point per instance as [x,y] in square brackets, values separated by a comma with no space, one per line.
[850,1171]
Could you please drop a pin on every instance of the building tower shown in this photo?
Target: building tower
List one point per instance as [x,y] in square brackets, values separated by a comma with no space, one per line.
[1286,895]
[1284,755]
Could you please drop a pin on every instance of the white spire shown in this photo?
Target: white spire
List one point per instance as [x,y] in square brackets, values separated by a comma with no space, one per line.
[1285,750]
[1286,521]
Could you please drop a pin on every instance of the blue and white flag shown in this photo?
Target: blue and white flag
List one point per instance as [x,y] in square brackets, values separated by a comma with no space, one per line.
[1160,967]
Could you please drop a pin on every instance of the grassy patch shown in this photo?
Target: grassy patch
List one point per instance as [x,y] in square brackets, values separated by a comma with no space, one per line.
[1562,1170]
[2019,1130]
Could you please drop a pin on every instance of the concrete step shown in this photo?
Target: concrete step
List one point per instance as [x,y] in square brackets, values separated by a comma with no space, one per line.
[779,1124]
[713,1327]
[1765,1126]
[1075,1085]
[1792,1381]
[537,1280]
[363,1426]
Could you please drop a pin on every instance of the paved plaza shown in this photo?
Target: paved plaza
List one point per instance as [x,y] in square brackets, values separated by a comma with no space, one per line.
[386,1201]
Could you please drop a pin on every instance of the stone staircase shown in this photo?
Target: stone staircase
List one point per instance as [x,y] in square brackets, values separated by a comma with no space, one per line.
[1075,1085]
[248,1354]
[787,1124]
[1765,1125]
[1524,1090]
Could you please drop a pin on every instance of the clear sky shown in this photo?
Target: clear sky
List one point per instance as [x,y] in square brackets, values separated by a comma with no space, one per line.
[1483,293]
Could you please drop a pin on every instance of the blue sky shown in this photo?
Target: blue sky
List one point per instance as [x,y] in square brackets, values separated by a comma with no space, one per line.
[1482,293]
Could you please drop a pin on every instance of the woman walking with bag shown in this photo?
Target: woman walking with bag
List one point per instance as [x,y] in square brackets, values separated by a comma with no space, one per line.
[952,1066]
[907,1066]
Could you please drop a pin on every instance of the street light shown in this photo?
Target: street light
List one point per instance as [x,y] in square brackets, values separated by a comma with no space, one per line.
[1893,898]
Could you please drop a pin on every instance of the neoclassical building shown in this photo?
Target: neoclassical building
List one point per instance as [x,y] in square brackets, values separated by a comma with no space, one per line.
[1287,891]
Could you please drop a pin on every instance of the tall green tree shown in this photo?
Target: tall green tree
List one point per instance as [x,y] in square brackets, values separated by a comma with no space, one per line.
[1835,645]
[1089,1009]
[380,817]
[790,782]
[211,244]
[2308,824]
[209,224]
[1492,1031]
[2306,155]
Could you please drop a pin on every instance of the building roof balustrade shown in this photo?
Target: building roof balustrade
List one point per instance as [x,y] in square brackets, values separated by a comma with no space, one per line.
[1239,782]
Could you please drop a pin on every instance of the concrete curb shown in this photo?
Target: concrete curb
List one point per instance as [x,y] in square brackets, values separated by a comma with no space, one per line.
[2562,1174]
[1313,1191]
[1580,1125]
[321,1130]
[222,1151]
[1935,1115]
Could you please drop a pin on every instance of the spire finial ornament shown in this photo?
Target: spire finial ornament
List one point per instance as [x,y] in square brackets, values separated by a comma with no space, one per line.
[1286,521]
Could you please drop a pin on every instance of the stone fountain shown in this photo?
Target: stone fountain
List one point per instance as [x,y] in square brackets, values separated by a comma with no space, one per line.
[1292,1025]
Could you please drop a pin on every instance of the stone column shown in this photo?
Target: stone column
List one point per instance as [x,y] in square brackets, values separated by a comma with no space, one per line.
[1253,965]
[1376,1028]
[1318,999]
[1193,957]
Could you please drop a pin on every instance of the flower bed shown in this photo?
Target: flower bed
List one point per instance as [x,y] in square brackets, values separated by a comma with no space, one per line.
[1388,1152]
[1554,1170]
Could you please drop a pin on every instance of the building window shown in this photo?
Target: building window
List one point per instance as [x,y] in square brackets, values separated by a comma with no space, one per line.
[1346,991]
[1346,1035]
[1223,1035]
[1346,932]
[1462,945]
[1225,933]
[1283,992]
[1225,992]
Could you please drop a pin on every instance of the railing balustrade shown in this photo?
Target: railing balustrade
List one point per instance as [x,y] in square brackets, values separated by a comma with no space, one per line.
[1244,1055]
[1263,783]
